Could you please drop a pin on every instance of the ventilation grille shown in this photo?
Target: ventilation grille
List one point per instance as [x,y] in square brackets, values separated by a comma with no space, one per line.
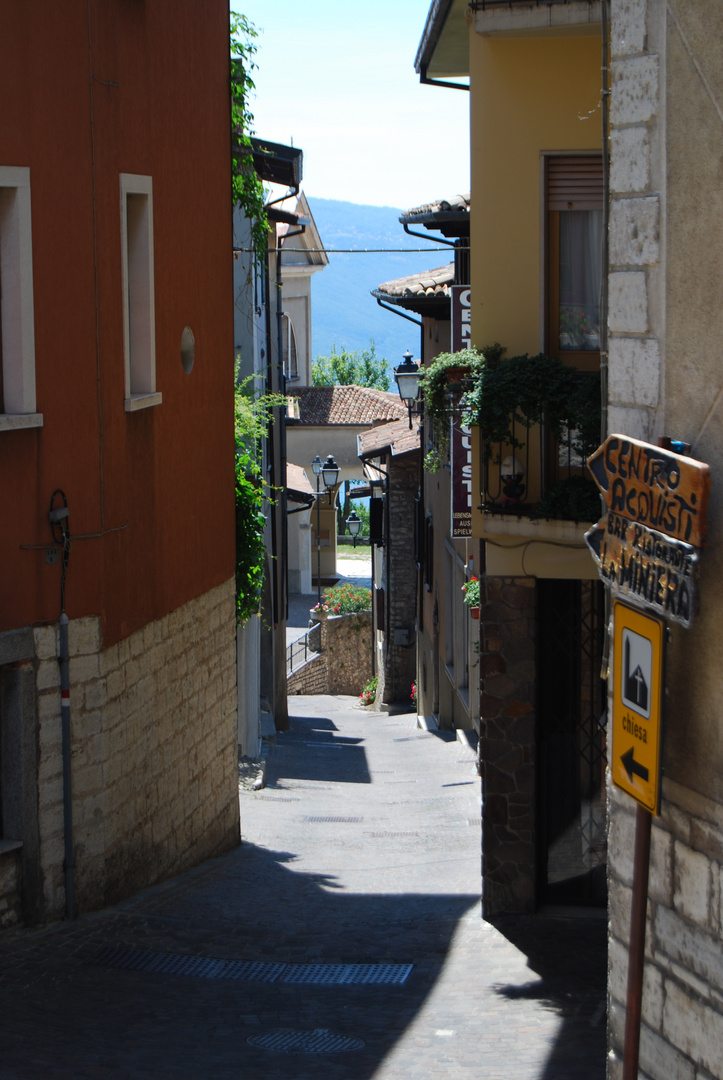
[319,1041]
[333,820]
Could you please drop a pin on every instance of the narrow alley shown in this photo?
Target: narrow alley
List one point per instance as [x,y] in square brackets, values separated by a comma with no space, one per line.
[343,938]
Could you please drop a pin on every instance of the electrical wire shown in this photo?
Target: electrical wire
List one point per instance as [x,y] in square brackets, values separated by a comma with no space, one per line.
[357,251]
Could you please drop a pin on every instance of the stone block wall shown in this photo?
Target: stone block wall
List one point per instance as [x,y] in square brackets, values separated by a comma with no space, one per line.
[344,664]
[635,318]
[507,743]
[311,678]
[664,375]
[154,751]
[683,984]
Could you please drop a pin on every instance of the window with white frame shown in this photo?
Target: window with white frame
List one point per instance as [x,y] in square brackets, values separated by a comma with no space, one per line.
[17,317]
[139,317]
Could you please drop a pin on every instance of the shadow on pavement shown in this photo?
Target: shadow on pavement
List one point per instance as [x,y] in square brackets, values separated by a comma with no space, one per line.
[66,1015]
[310,751]
[569,956]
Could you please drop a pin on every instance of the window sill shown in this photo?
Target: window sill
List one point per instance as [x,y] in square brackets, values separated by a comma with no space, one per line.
[17,421]
[142,401]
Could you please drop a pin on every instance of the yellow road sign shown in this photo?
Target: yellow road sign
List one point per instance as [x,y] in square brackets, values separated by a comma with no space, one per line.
[637,704]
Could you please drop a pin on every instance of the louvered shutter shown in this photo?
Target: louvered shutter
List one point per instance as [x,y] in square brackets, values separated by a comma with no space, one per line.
[575,182]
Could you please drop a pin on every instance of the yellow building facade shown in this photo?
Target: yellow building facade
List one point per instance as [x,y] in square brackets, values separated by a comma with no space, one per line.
[535,273]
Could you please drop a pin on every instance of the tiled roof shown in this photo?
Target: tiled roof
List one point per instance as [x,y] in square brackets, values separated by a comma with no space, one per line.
[297,483]
[357,405]
[395,437]
[442,206]
[428,283]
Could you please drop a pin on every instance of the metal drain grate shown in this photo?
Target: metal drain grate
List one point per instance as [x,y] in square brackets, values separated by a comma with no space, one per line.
[319,1041]
[389,835]
[204,967]
[333,820]
[347,974]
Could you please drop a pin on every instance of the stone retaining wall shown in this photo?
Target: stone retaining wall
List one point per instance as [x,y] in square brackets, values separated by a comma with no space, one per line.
[344,665]
[154,751]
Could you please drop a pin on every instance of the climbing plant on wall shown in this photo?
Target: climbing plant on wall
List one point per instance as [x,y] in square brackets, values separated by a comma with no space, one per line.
[246,187]
[253,413]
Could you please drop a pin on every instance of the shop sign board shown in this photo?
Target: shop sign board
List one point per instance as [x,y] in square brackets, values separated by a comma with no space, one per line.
[646,566]
[656,488]
[461,441]
[461,486]
[460,317]
[638,666]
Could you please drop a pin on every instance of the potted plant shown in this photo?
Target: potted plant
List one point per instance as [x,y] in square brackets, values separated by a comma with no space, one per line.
[439,382]
[320,612]
[471,592]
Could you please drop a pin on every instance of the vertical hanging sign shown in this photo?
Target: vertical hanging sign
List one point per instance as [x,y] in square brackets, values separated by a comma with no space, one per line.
[461,444]
[461,318]
[461,447]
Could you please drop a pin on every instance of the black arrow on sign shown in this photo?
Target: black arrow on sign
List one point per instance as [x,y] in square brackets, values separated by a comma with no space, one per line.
[632,767]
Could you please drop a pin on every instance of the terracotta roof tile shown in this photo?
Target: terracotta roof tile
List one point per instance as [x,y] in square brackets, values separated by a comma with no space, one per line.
[395,437]
[357,405]
[441,206]
[297,482]
[427,283]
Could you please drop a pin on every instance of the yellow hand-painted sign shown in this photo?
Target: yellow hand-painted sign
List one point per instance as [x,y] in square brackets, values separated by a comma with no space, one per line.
[657,488]
[637,704]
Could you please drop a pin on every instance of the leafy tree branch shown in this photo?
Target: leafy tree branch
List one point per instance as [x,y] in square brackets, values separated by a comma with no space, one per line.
[360,367]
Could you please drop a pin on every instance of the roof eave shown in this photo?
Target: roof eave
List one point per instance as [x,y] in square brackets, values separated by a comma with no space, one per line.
[443,51]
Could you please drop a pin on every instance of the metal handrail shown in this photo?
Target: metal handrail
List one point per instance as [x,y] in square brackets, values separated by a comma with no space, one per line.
[303,649]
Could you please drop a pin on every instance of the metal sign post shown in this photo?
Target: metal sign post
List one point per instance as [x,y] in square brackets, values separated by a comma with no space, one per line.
[646,548]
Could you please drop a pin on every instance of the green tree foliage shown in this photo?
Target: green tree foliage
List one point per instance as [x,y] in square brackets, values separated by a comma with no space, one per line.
[362,367]
[253,414]
[246,188]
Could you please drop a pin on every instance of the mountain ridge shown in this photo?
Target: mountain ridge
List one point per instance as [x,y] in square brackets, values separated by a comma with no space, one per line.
[343,312]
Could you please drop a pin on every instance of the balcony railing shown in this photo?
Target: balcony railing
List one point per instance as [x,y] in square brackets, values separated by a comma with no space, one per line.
[543,478]
[534,465]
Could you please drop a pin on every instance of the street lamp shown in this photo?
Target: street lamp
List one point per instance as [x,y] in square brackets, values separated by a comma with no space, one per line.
[354,524]
[329,471]
[407,376]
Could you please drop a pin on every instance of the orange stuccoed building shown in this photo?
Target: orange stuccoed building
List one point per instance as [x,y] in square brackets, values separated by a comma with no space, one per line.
[118,763]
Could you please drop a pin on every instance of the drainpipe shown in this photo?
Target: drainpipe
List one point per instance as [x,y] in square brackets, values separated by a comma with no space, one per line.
[59,521]
[606,217]
[63,659]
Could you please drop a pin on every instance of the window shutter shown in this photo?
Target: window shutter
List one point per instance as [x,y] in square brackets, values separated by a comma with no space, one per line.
[575,182]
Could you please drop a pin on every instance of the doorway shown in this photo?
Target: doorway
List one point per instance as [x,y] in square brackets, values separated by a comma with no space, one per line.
[571,710]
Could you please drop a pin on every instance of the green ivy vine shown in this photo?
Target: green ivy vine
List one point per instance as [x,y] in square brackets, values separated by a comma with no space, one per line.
[253,413]
[247,190]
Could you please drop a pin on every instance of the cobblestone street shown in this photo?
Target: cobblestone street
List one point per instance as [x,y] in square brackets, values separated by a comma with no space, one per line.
[350,910]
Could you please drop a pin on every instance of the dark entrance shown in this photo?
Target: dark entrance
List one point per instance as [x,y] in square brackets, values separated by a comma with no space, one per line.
[571,743]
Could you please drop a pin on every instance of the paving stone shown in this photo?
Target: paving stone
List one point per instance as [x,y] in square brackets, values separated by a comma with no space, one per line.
[395,878]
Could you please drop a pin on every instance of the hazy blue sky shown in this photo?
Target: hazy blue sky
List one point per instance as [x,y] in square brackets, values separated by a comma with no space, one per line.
[337,78]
